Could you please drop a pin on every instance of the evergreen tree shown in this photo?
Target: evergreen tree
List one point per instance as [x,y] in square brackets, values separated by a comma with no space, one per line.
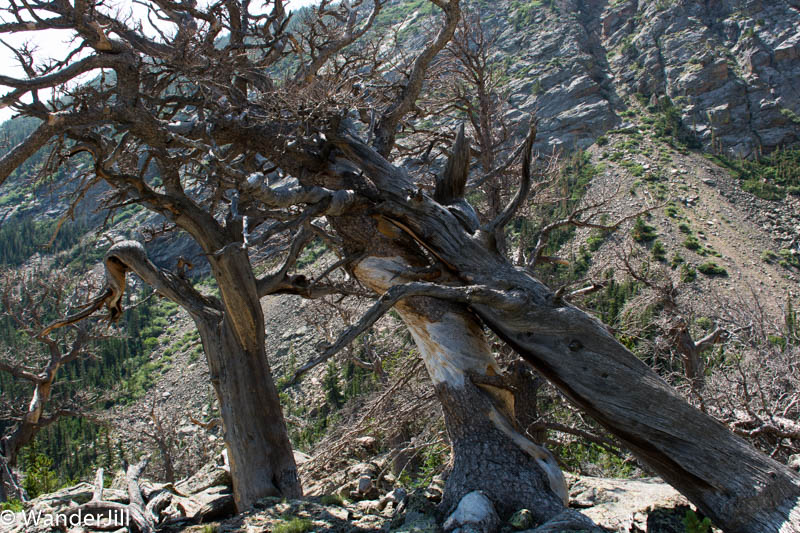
[330,384]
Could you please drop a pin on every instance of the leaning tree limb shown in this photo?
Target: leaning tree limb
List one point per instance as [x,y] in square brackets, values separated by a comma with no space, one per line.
[741,489]
[25,149]
[385,129]
[378,310]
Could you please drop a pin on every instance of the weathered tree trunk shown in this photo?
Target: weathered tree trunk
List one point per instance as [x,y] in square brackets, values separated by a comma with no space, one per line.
[27,428]
[487,458]
[739,488]
[9,485]
[260,455]
[489,453]
[232,333]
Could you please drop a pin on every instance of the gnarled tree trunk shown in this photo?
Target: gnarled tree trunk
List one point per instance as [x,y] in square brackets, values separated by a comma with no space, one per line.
[232,333]
[489,452]
[739,488]
[260,455]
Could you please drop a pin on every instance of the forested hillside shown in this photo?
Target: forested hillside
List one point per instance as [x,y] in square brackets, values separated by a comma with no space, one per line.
[503,174]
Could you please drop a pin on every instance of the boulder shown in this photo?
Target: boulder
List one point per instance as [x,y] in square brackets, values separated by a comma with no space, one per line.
[623,504]
[364,489]
[474,514]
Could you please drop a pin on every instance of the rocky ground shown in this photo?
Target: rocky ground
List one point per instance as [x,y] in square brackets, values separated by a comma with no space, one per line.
[367,501]
[690,192]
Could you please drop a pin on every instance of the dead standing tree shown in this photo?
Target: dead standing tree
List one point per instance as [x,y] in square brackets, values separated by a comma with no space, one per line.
[477,92]
[27,300]
[242,155]
[663,292]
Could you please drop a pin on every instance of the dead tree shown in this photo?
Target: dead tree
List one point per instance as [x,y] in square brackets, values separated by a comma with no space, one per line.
[242,156]
[109,515]
[476,91]
[160,432]
[663,292]
[26,301]
[754,387]
[174,439]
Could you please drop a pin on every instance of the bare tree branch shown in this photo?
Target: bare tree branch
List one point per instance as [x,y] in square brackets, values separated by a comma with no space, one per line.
[385,130]
[505,216]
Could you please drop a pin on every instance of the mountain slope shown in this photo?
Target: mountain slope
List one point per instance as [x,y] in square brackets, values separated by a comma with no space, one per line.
[731,67]
[635,83]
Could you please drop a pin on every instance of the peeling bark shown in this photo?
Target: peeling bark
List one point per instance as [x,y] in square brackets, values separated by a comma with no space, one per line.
[489,453]
[738,487]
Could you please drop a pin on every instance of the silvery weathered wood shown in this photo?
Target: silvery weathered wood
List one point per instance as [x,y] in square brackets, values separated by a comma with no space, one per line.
[741,489]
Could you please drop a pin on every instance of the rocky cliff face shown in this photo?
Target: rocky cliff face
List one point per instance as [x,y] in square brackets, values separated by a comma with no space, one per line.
[731,68]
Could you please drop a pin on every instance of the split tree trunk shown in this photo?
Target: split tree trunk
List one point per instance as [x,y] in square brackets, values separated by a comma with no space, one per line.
[489,452]
[232,333]
[739,488]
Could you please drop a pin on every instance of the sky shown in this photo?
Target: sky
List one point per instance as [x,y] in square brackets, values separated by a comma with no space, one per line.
[53,44]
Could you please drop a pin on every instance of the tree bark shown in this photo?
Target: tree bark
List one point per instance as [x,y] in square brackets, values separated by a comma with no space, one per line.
[232,333]
[739,488]
[489,453]
[9,485]
[260,455]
